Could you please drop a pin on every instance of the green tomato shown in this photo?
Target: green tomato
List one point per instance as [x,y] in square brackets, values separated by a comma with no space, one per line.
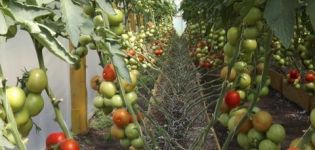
[242,94]
[240,66]
[276,133]
[224,119]
[107,102]
[125,143]
[37,80]
[243,140]
[117,101]
[231,123]
[253,16]
[16,98]
[131,131]
[34,104]
[98,21]
[131,97]
[137,143]
[250,33]
[245,80]
[26,128]
[313,138]
[21,117]
[108,89]
[264,91]
[98,102]
[228,50]
[85,39]
[117,18]
[233,35]
[312,117]
[250,45]
[118,30]
[255,136]
[267,145]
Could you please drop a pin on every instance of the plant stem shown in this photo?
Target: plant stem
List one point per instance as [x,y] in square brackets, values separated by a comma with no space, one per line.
[55,103]
[12,126]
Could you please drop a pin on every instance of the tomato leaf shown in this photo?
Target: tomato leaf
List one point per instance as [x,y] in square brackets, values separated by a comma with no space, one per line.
[106,6]
[310,11]
[23,12]
[119,62]
[3,24]
[31,2]
[280,16]
[72,15]
[53,45]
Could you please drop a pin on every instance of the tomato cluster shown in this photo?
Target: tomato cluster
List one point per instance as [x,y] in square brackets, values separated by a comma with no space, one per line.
[110,101]
[58,141]
[26,101]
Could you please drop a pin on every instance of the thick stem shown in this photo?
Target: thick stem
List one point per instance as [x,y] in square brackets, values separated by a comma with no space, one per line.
[55,103]
[12,126]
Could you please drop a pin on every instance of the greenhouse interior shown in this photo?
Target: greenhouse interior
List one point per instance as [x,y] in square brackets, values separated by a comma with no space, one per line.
[157,74]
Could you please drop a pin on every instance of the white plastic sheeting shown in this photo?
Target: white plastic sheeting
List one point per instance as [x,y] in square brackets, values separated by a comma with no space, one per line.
[19,53]
[178,22]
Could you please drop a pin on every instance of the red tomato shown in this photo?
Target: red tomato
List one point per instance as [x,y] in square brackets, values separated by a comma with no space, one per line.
[69,144]
[232,99]
[158,52]
[121,117]
[54,138]
[294,74]
[109,73]
[131,52]
[310,77]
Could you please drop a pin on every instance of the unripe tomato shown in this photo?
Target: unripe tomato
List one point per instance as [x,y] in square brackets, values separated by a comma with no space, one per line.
[16,98]
[37,80]
[243,140]
[250,33]
[267,145]
[108,89]
[116,132]
[262,120]
[21,117]
[245,80]
[34,103]
[253,16]
[54,138]
[117,101]
[255,136]
[131,97]
[223,119]
[232,99]
[117,18]
[224,73]
[109,73]
[98,21]
[228,50]
[118,30]
[121,117]
[250,45]
[131,131]
[276,133]
[85,39]
[69,144]
[26,128]
[312,117]
[137,143]
[233,35]
[98,102]
[125,143]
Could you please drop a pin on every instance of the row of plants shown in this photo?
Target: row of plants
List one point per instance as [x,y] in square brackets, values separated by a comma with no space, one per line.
[91,26]
[246,39]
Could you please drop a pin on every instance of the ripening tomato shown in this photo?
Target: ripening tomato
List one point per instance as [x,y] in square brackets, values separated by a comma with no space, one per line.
[121,117]
[232,99]
[310,77]
[262,120]
[116,132]
[109,73]
[54,138]
[131,52]
[69,144]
